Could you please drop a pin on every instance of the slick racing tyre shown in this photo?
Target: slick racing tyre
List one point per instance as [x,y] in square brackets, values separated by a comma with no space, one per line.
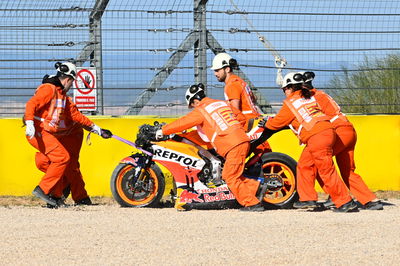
[146,192]
[281,167]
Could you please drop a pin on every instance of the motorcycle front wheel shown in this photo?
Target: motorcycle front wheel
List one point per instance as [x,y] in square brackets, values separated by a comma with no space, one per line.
[146,192]
[283,167]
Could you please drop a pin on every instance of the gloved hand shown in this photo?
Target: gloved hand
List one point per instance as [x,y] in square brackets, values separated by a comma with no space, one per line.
[159,135]
[96,129]
[104,133]
[263,121]
[30,129]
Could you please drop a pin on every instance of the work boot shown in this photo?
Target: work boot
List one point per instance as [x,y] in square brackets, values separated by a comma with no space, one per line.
[328,203]
[373,205]
[255,208]
[84,201]
[305,204]
[350,206]
[60,203]
[38,192]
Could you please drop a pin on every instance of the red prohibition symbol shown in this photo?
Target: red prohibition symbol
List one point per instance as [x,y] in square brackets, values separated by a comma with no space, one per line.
[88,81]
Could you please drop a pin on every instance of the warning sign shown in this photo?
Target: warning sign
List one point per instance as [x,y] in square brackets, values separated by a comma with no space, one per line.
[85,96]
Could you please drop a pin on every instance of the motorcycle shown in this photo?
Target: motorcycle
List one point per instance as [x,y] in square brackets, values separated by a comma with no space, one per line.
[138,181]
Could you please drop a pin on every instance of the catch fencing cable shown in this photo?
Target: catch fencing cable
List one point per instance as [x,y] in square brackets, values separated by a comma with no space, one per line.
[279,60]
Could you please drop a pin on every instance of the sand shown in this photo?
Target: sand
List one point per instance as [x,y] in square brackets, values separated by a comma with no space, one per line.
[106,234]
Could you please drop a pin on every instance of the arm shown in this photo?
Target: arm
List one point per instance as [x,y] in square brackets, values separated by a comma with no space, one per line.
[239,116]
[233,93]
[235,103]
[76,115]
[86,123]
[192,119]
[43,96]
[282,119]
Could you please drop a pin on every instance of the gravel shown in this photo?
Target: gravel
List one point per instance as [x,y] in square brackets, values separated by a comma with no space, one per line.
[107,234]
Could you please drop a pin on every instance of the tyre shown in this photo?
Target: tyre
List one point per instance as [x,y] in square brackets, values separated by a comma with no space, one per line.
[283,168]
[145,193]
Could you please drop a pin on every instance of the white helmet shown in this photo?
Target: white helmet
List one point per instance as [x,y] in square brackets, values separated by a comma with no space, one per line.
[308,76]
[66,68]
[221,60]
[194,92]
[292,78]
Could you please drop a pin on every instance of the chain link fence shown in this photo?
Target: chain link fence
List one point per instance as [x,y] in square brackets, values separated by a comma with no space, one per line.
[147,53]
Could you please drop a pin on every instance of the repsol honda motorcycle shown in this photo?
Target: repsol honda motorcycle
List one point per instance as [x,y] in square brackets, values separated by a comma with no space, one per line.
[138,181]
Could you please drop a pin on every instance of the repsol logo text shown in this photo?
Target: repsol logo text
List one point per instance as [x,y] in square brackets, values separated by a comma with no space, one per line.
[172,156]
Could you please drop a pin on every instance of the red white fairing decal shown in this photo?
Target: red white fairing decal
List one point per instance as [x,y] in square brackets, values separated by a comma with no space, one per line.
[163,154]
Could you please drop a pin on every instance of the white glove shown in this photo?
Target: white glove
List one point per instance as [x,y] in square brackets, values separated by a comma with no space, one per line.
[159,134]
[96,129]
[30,129]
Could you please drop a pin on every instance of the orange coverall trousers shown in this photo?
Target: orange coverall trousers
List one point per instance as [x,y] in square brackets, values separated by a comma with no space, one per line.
[58,158]
[319,152]
[344,152]
[244,189]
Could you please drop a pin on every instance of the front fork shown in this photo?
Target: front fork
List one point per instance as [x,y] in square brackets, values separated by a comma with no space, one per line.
[141,162]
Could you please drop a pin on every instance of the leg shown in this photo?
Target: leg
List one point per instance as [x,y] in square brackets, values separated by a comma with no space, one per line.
[345,160]
[320,147]
[42,161]
[74,178]
[58,157]
[243,188]
[306,174]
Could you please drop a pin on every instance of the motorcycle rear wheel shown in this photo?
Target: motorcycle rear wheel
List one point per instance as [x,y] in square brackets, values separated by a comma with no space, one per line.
[284,167]
[128,195]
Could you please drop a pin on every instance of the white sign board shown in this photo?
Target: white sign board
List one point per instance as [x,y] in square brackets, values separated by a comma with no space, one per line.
[85,96]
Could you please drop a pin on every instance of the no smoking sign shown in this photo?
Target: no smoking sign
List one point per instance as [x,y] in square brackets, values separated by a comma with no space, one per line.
[85,96]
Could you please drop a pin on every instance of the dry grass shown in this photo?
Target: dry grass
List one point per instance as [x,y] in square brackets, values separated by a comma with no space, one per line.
[33,201]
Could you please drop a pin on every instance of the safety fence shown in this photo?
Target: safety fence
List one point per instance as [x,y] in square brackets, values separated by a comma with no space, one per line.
[146,53]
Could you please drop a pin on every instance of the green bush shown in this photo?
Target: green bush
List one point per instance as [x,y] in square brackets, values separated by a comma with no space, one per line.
[373,88]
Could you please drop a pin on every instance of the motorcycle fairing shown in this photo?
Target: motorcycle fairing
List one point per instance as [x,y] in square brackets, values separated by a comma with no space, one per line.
[205,195]
[136,159]
[180,159]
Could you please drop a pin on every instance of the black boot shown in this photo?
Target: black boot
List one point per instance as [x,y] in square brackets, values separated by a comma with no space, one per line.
[350,206]
[373,205]
[60,203]
[255,208]
[305,204]
[84,201]
[38,192]
[329,203]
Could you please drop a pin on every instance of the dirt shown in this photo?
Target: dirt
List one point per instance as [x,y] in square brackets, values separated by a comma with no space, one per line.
[107,234]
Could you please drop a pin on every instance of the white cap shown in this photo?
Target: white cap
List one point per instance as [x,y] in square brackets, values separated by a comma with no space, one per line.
[292,78]
[221,60]
[66,68]
[192,91]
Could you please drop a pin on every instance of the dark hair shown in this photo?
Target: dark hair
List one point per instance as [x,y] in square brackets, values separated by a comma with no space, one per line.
[308,85]
[233,64]
[305,93]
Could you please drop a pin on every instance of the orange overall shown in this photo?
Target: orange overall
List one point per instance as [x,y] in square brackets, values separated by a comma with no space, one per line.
[314,130]
[217,122]
[237,89]
[343,150]
[72,175]
[54,115]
